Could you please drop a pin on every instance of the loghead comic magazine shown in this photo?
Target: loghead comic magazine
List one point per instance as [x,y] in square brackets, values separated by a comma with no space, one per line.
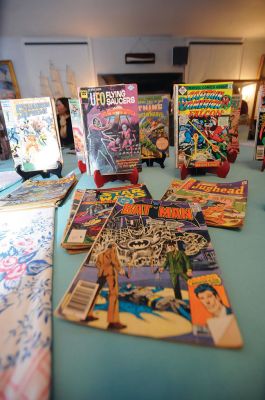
[141,275]
[202,121]
[32,134]
[110,117]
[154,125]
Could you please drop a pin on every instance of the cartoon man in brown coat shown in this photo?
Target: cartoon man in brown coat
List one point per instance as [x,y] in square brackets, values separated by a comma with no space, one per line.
[109,267]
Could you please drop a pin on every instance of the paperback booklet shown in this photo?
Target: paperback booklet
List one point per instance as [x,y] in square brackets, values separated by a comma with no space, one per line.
[90,209]
[110,117]
[141,272]
[37,193]
[223,204]
[32,133]
[202,122]
[154,125]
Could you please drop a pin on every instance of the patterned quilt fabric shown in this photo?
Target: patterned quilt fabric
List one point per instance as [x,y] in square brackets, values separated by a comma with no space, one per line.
[26,251]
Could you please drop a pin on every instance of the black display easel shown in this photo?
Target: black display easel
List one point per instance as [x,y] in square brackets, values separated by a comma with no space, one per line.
[159,160]
[44,173]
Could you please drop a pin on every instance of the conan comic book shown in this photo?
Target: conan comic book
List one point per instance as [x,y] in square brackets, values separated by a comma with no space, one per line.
[39,193]
[223,204]
[234,121]
[78,130]
[82,221]
[110,116]
[136,278]
[32,133]
[154,125]
[202,122]
[260,135]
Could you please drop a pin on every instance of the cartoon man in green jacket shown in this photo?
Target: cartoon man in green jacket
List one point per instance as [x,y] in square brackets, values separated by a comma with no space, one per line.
[178,265]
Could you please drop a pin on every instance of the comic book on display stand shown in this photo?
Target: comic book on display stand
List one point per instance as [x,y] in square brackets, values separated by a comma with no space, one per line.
[110,117]
[39,193]
[32,133]
[223,204]
[83,226]
[154,125]
[234,121]
[260,135]
[202,120]
[149,271]
[78,130]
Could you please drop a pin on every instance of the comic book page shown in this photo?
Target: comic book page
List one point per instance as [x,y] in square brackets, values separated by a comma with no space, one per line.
[78,130]
[33,193]
[154,125]
[110,117]
[135,279]
[32,133]
[223,204]
[202,121]
[260,135]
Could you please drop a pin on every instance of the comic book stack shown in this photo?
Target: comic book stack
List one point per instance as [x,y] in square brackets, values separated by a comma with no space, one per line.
[89,212]
[152,271]
[39,193]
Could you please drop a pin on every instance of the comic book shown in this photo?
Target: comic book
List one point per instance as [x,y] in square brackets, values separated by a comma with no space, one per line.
[223,204]
[234,121]
[89,210]
[154,125]
[78,130]
[31,129]
[110,117]
[202,121]
[39,193]
[260,135]
[8,178]
[135,280]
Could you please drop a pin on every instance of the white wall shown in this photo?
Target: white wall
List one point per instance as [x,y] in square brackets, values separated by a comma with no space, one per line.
[109,56]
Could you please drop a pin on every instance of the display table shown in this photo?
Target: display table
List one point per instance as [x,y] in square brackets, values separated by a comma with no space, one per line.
[92,364]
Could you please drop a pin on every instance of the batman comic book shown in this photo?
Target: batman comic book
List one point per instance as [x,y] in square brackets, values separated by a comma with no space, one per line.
[202,121]
[110,118]
[154,125]
[137,276]
[223,204]
[32,134]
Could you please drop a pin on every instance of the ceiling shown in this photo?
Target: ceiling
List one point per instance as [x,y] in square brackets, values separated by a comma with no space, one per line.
[233,19]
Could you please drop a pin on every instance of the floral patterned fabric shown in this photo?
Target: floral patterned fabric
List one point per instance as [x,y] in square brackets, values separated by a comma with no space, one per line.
[26,250]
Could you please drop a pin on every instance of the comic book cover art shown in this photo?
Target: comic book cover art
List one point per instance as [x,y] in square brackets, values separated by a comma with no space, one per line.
[223,204]
[32,133]
[211,312]
[260,135]
[78,130]
[142,261]
[110,116]
[154,125]
[202,122]
[87,223]
[35,193]
[234,122]
[85,198]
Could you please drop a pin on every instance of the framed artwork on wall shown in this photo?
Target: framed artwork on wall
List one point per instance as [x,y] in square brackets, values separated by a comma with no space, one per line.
[9,88]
